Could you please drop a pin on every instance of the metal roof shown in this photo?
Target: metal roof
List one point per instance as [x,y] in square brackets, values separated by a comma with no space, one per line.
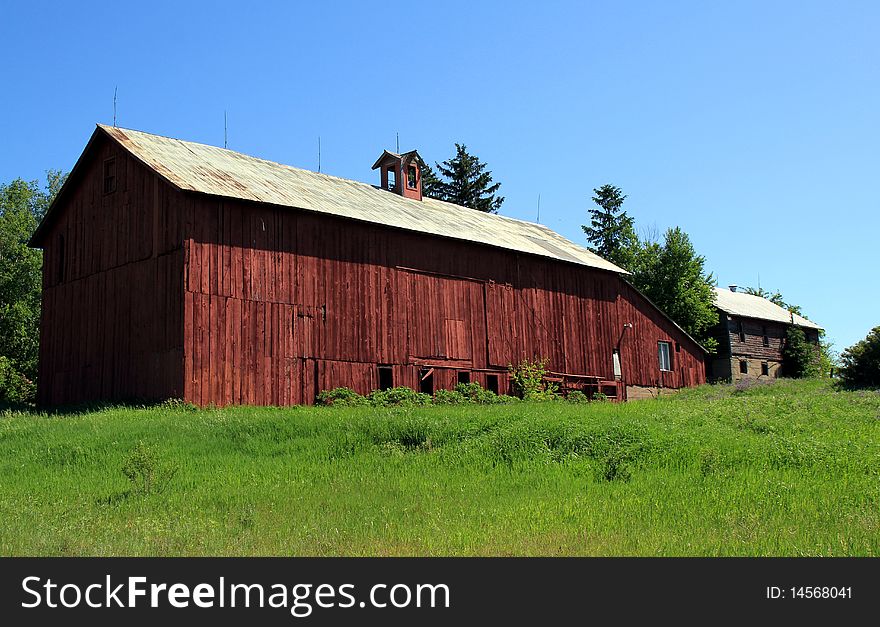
[750,306]
[220,172]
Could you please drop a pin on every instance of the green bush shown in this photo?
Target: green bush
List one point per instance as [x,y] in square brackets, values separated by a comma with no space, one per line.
[177,404]
[15,388]
[449,397]
[463,394]
[861,363]
[341,397]
[797,354]
[145,471]
[528,380]
[399,396]
[474,393]
[576,396]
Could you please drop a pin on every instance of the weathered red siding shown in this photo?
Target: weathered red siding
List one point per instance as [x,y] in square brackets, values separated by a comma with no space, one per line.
[111,326]
[158,293]
[288,303]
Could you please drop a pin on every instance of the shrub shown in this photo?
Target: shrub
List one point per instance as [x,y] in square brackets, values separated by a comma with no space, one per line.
[600,396]
[399,396]
[615,467]
[177,404]
[576,396]
[474,393]
[144,470]
[528,380]
[797,354]
[861,363]
[449,397]
[15,388]
[341,397]
[824,360]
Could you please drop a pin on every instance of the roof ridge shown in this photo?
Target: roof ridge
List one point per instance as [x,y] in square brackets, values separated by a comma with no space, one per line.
[221,171]
[329,176]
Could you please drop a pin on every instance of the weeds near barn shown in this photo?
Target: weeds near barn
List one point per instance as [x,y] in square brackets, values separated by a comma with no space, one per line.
[791,468]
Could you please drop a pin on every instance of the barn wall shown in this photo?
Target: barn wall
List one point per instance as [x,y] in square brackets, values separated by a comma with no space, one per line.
[112,286]
[280,304]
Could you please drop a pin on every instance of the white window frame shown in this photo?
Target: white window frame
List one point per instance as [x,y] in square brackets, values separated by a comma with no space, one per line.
[668,361]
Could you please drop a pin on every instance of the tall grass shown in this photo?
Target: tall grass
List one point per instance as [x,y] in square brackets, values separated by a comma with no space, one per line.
[791,468]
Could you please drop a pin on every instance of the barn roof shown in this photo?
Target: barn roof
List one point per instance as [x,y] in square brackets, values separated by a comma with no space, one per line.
[220,172]
[751,306]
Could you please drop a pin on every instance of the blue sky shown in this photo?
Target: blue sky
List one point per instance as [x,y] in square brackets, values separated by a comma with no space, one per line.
[752,125]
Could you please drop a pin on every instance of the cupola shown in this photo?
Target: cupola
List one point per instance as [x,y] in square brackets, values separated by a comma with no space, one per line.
[401,174]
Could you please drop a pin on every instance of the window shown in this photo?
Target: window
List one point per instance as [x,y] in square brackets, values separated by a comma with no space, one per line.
[665,355]
[766,337]
[426,381]
[392,179]
[742,332]
[411,177]
[464,376]
[765,368]
[110,175]
[492,383]
[386,378]
[743,366]
[677,347]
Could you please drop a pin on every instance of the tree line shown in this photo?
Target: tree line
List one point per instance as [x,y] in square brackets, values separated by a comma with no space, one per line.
[673,276]
[22,205]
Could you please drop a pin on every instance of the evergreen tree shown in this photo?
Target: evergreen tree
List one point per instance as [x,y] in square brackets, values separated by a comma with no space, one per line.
[673,276]
[611,231]
[465,181]
[430,182]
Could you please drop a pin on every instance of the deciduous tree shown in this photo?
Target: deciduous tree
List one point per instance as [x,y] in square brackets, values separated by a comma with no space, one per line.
[673,276]
[22,205]
[861,363]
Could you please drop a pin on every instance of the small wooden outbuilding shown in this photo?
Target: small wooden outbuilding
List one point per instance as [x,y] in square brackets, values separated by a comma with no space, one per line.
[751,335]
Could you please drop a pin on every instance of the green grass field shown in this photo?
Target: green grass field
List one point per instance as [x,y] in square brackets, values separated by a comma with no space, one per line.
[791,468]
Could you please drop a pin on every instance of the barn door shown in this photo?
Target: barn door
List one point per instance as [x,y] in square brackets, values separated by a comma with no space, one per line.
[441,315]
[500,324]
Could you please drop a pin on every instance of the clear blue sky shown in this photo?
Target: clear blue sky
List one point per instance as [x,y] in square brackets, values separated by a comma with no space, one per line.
[752,125]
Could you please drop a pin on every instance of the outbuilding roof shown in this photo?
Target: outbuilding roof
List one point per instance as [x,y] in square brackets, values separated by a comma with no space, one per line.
[751,306]
[211,170]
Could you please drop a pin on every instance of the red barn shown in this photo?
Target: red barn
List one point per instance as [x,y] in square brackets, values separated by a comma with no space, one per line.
[176,269]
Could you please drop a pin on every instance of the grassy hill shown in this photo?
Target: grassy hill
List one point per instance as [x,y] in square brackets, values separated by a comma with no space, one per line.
[791,468]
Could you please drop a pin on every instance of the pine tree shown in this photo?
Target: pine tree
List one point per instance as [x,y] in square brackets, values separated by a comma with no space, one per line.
[611,231]
[430,182]
[465,181]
